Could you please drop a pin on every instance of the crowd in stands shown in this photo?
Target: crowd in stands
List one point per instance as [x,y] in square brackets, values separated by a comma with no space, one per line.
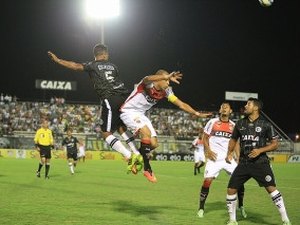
[18,116]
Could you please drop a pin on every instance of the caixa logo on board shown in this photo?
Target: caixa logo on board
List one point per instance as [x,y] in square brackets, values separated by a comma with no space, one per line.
[56,85]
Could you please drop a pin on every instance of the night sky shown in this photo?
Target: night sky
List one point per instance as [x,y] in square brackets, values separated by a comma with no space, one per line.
[219,45]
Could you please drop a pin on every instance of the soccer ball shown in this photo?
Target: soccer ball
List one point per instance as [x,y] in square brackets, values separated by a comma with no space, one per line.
[266,3]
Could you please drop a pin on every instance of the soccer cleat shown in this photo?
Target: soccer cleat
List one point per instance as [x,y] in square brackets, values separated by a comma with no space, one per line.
[232,223]
[135,164]
[150,176]
[139,166]
[200,213]
[243,212]
[38,174]
[134,169]
[287,223]
[47,177]
[130,165]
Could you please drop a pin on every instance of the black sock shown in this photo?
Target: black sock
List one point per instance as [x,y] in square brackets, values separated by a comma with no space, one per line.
[195,170]
[144,150]
[203,196]
[47,170]
[241,192]
[40,167]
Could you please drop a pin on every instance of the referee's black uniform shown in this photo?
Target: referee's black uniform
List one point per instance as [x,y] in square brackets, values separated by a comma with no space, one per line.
[111,91]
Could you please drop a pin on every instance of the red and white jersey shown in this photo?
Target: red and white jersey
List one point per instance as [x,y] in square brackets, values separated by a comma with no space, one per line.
[219,135]
[143,97]
[198,144]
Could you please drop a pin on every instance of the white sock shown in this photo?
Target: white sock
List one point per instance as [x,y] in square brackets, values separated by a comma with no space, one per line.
[231,201]
[128,137]
[71,167]
[278,201]
[117,145]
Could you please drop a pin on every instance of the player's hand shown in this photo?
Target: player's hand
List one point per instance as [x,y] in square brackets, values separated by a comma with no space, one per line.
[228,159]
[254,153]
[175,77]
[53,56]
[211,155]
[203,115]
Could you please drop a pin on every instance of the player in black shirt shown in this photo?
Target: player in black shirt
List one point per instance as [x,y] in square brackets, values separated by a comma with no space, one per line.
[71,144]
[112,94]
[256,137]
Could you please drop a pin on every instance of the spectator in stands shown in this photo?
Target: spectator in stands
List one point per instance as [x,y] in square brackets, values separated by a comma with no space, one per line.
[146,94]
[44,142]
[255,137]
[112,93]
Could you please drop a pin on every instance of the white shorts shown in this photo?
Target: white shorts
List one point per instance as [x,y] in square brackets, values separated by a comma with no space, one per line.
[199,156]
[80,154]
[212,169]
[135,121]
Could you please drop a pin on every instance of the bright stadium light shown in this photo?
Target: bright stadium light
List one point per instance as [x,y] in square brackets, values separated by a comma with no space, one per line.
[102,9]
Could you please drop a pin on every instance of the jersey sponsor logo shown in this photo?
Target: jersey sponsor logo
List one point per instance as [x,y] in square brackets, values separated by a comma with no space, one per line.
[56,85]
[149,99]
[250,137]
[106,67]
[223,134]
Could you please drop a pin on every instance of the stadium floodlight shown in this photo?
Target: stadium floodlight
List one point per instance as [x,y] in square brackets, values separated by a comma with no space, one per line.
[102,9]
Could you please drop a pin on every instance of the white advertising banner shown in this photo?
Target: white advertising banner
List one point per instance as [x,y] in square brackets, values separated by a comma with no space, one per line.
[239,96]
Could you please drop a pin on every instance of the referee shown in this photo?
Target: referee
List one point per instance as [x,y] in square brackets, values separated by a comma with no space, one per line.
[44,142]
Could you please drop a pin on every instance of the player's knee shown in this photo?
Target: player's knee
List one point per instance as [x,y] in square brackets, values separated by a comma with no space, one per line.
[154,145]
[207,183]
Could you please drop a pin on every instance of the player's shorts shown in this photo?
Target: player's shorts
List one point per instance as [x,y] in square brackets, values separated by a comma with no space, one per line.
[135,121]
[199,156]
[45,151]
[80,154]
[212,169]
[72,155]
[111,113]
[261,172]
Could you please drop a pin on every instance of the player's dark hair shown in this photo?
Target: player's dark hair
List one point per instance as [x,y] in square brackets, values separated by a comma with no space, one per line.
[227,103]
[100,49]
[257,103]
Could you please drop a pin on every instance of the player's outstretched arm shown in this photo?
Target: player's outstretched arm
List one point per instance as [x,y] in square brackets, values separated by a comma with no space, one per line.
[187,108]
[68,64]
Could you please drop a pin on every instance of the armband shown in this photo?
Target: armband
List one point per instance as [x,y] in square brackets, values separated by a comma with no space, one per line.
[172,98]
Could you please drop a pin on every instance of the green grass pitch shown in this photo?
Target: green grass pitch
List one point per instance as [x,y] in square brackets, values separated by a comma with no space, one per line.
[101,192]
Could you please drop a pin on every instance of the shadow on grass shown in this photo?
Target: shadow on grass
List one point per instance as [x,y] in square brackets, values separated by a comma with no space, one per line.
[137,210]
[254,217]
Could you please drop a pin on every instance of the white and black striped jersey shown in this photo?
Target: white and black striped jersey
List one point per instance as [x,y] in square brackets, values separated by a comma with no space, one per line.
[253,135]
[105,77]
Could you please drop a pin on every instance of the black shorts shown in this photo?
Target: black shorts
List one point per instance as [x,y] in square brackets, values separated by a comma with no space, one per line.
[72,155]
[111,113]
[261,172]
[45,151]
